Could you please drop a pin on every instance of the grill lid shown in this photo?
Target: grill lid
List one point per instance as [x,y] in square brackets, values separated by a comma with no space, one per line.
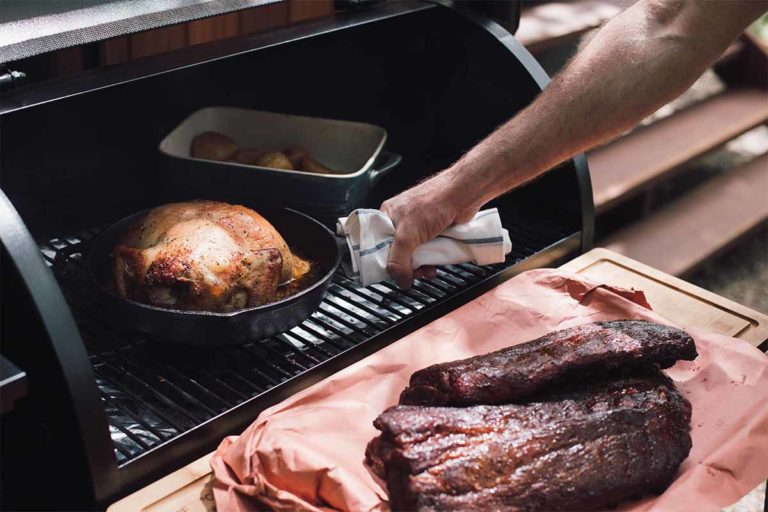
[31,28]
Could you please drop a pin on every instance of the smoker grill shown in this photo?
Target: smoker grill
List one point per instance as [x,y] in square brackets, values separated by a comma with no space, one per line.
[111,409]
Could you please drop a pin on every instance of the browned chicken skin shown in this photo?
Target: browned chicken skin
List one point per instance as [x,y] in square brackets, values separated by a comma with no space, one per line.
[202,255]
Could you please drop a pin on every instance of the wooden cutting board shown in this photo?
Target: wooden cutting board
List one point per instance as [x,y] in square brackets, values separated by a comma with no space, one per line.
[189,488]
[185,490]
[677,300]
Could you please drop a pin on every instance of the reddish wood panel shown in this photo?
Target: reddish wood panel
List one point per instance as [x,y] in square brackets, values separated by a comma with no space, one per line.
[631,164]
[701,224]
[158,41]
[115,51]
[302,10]
[68,61]
[213,29]
[161,40]
[544,25]
[263,18]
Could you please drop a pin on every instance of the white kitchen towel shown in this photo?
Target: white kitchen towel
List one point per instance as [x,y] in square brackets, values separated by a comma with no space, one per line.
[369,235]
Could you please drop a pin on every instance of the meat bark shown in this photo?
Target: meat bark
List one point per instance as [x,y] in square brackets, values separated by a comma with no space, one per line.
[586,448]
[513,374]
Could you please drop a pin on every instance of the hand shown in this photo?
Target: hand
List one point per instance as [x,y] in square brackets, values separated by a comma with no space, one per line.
[419,215]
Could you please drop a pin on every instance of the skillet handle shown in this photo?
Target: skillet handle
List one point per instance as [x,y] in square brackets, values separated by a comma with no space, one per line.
[346,258]
[385,162]
[341,241]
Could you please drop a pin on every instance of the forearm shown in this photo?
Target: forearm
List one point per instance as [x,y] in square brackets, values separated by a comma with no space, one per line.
[640,60]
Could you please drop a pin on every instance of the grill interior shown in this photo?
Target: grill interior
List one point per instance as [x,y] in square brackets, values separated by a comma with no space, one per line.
[154,391]
[415,68]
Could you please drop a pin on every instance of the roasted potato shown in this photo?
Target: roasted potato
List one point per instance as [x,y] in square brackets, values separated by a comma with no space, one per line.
[295,154]
[303,161]
[212,146]
[274,160]
[247,156]
[309,164]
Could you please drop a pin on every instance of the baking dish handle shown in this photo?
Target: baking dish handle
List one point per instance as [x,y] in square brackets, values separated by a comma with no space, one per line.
[385,162]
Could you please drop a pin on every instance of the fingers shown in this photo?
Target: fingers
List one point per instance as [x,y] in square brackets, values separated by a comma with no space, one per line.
[399,264]
[406,240]
[419,214]
[388,208]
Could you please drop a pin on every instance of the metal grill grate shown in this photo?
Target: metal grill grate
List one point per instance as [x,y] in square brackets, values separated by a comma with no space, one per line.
[153,392]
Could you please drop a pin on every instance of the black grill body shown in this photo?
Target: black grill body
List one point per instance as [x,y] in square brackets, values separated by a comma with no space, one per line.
[113,409]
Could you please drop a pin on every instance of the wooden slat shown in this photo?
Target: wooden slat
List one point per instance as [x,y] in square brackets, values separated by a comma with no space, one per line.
[263,18]
[213,29]
[157,41]
[302,10]
[185,490]
[631,164]
[701,224]
[114,51]
[67,61]
[548,24]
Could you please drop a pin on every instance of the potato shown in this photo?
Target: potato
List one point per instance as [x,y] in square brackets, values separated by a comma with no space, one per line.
[247,156]
[274,160]
[309,164]
[212,146]
[303,161]
[295,154]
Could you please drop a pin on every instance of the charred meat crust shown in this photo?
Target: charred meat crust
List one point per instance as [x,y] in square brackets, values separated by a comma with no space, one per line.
[591,446]
[514,373]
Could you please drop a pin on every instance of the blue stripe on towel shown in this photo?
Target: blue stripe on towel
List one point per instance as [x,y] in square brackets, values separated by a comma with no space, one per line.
[377,248]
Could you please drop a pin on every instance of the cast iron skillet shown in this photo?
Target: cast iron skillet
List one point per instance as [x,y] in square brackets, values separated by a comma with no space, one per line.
[302,233]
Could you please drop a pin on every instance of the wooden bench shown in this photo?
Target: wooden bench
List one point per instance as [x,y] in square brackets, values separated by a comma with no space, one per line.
[700,225]
[548,24]
[632,164]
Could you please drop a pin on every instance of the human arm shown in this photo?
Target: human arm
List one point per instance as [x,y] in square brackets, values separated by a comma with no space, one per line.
[638,61]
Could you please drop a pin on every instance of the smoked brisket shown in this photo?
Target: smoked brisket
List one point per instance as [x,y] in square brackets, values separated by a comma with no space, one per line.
[585,448]
[514,373]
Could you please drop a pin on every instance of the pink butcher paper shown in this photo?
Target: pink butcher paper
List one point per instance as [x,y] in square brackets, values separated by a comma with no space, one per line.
[306,453]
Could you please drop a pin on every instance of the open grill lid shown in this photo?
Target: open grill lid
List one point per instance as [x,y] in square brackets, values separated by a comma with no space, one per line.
[437,79]
[32,28]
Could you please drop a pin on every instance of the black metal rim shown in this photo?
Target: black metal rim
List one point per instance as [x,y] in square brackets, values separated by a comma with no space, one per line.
[542,80]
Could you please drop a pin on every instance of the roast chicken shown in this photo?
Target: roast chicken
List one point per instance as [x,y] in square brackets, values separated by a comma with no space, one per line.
[202,255]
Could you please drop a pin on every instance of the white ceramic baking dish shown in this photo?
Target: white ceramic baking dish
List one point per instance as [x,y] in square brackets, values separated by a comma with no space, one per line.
[352,150]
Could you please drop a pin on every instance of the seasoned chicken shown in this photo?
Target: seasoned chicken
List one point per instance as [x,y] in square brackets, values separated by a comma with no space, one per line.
[202,255]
